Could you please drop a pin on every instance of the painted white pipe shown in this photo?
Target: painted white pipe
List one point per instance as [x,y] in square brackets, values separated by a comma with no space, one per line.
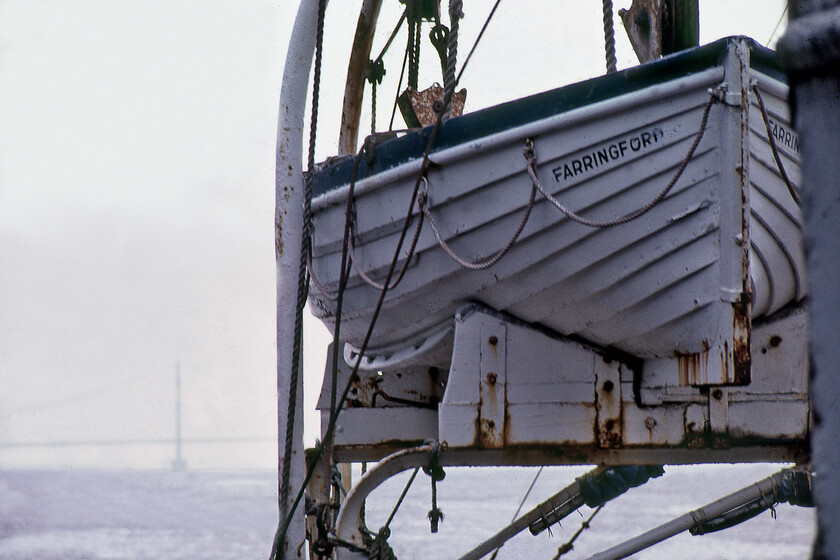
[288,225]
[683,523]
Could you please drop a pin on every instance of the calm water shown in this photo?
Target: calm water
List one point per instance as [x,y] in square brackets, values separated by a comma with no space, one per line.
[138,515]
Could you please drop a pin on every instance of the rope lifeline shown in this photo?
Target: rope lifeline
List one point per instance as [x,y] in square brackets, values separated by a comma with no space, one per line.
[531,166]
[423,202]
[367,279]
[791,189]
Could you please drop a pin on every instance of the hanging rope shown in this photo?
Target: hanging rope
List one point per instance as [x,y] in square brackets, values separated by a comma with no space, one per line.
[303,282]
[455,15]
[436,472]
[423,202]
[367,279]
[330,431]
[609,36]
[532,171]
[331,427]
[772,139]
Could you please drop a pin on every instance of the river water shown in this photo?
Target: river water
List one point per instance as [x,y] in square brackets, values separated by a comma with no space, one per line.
[212,515]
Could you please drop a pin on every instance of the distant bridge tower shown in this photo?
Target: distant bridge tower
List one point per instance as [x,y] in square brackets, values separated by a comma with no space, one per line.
[178,464]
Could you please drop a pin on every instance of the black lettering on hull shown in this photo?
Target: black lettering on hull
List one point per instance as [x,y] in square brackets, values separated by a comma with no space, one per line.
[607,154]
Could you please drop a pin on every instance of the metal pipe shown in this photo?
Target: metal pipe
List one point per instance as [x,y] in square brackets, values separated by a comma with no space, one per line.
[557,506]
[348,526]
[357,72]
[683,523]
[288,225]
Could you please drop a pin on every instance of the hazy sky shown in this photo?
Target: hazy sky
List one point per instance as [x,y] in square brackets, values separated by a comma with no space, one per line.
[136,204]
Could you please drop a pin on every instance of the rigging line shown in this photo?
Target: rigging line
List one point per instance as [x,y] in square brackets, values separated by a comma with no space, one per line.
[285,462]
[328,435]
[319,450]
[342,282]
[455,15]
[522,503]
[402,497]
[569,545]
[399,86]
[477,39]
[778,23]
[393,35]
[609,36]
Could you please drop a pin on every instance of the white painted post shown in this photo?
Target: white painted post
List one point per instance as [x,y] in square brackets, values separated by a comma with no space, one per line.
[288,225]
[811,50]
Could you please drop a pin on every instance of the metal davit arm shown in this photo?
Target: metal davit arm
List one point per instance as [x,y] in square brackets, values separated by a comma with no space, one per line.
[357,72]
[288,225]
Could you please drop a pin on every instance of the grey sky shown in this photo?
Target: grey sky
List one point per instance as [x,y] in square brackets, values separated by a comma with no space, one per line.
[136,205]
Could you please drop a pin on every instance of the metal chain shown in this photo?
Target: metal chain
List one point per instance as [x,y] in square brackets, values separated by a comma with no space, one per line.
[531,166]
[609,36]
[791,189]
[423,202]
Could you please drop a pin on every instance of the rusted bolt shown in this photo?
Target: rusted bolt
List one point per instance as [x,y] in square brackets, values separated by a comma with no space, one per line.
[609,424]
[491,424]
[491,378]
[650,422]
[608,386]
[493,341]
[437,106]
[775,340]
[717,394]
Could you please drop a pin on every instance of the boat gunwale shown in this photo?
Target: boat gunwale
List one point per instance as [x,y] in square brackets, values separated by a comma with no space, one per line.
[569,118]
[566,100]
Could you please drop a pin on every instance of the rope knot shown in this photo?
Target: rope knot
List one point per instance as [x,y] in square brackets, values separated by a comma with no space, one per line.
[530,155]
